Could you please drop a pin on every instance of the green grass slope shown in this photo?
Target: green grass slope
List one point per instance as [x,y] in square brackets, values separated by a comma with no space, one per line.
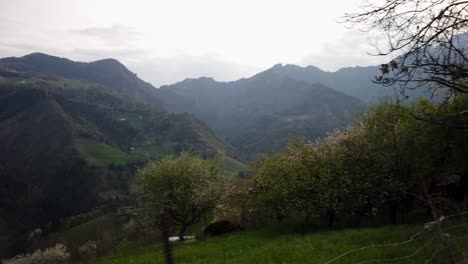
[281,245]
[86,231]
[101,154]
[232,166]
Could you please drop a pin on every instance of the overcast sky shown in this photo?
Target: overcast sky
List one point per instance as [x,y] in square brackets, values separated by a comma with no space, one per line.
[169,40]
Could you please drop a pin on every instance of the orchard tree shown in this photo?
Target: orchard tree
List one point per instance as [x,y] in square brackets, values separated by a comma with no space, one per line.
[285,183]
[184,188]
[334,177]
[233,206]
[440,153]
[427,157]
[439,160]
[383,137]
[356,166]
[299,180]
[273,188]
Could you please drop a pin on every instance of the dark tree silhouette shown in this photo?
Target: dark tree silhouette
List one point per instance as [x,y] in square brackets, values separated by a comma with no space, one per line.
[427,38]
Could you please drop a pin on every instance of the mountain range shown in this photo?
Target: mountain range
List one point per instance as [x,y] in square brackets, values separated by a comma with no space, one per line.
[353,81]
[260,114]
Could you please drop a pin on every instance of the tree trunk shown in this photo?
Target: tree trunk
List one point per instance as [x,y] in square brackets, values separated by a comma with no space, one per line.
[330,218]
[244,217]
[165,226]
[438,220]
[182,232]
[279,217]
[393,213]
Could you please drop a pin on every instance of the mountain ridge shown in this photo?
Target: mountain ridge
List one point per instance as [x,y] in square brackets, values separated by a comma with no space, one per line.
[109,72]
[280,103]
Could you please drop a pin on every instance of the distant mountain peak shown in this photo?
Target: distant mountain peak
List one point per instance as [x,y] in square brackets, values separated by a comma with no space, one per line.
[203,79]
[109,72]
[282,69]
[277,66]
[111,65]
[37,54]
[200,80]
[312,67]
[109,61]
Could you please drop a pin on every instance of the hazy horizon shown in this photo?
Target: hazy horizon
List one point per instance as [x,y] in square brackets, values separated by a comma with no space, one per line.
[167,42]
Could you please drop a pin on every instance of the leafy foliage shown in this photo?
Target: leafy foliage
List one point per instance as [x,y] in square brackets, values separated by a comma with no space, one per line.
[386,157]
[186,188]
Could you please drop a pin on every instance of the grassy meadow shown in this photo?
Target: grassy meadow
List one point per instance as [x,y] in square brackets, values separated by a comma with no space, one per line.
[289,244]
[101,154]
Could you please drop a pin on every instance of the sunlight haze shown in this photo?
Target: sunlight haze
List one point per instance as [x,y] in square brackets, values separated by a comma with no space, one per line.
[168,41]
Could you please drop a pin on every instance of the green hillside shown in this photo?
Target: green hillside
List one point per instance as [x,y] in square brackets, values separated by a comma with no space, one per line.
[101,154]
[72,136]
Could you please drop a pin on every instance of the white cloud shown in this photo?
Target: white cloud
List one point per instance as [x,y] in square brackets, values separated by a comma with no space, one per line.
[352,48]
[161,71]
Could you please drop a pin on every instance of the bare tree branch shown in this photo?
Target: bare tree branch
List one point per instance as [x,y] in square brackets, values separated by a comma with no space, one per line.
[427,38]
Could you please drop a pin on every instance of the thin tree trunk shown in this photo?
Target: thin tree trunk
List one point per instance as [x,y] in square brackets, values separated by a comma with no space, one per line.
[330,218]
[393,213]
[164,222]
[182,232]
[279,216]
[444,239]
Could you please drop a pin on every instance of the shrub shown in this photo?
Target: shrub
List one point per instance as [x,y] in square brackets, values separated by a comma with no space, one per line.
[131,230]
[221,227]
[88,250]
[53,255]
